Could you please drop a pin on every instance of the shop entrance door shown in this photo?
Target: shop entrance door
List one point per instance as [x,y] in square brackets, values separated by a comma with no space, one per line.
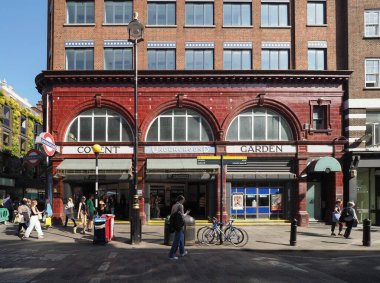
[313,198]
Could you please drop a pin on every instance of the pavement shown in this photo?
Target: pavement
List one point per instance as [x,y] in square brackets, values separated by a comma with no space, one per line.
[66,257]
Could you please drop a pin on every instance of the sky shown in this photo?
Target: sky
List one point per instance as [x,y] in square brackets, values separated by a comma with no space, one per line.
[23,25]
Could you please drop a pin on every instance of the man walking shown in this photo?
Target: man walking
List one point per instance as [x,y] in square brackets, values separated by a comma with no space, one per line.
[177,218]
[90,212]
[8,204]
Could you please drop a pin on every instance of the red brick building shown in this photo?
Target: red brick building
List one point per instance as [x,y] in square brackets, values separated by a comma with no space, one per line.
[251,78]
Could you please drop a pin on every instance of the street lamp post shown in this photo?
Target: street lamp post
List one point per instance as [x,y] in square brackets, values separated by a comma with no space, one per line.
[136,33]
[96,149]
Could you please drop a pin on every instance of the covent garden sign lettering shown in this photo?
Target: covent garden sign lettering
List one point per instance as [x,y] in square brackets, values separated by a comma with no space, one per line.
[261,149]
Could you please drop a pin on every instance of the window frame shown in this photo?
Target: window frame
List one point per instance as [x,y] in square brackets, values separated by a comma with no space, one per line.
[23,119]
[93,115]
[198,3]
[9,124]
[124,59]
[76,15]
[374,131]
[166,3]
[324,50]
[112,3]
[252,115]
[241,16]
[366,24]
[172,116]
[270,50]
[366,73]
[326,110]
[23,144]
[9,134]
[149,50]
[241,57]
[271,4]
[84,58]
[203,62]
[315,2]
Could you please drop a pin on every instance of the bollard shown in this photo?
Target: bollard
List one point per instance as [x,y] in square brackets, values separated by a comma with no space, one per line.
[367,232]
[293,233]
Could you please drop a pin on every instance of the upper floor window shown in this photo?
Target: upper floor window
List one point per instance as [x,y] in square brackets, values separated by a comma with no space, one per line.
[236,59]
[275,59]
[319,117]
[99,125]
[117,11]
[237,14]
[161,13]
[373,128]
[6,138]
[199,59]
[372,72]
[316,12]
[23,144]
[259,124]
[199,14]
[80,11]
[274,14]
[372,23]
[38,129]
[79,58]
[118,58]
[7,116]
[23,125]
[161,59]
[316,59]
[180,124]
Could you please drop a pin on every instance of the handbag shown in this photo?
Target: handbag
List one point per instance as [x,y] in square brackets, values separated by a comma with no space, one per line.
[48,221]
[336,217]
[39,216]
[17,218]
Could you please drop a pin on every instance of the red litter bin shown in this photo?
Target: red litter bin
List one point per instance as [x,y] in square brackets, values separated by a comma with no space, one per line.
[110,221]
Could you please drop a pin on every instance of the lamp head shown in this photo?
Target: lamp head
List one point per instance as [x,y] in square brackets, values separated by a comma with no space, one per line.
[96,148]
[135,29]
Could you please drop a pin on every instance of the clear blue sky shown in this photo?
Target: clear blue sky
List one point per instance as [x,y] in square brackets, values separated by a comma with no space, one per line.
[23,44]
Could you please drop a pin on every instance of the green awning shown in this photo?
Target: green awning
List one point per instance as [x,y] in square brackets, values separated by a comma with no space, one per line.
[177,164]
[87,166]
[325,164]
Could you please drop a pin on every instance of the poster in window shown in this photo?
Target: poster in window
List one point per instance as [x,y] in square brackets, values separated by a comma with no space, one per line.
[237,202]
[276,202]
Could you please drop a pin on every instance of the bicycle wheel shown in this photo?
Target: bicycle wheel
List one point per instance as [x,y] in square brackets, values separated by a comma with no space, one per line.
[234,235]
[245,239]
[210,236]
[200,233]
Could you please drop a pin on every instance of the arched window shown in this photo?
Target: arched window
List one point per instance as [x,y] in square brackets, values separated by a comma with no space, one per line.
[100,125]
[259,124]
[179,125]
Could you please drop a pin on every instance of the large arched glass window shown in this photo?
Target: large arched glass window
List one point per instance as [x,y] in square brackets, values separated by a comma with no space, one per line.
[259,124]
[179,125]
[100,125]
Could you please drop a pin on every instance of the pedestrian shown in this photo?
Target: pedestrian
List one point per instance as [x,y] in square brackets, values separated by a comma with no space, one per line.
[90,212]
[335,218]
[69,212]
[23,211]
[102,206]
[111,204]
[8,204]
[82,215]
[156,207]
[349,216]
[48,213]
[34,222]
[177,214]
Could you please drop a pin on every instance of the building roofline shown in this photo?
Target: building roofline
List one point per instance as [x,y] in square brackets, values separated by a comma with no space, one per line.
[48,78]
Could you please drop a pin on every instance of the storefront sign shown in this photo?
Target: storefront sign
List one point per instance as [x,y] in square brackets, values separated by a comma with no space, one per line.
[47,140]
[179,149]
[261,149]
[33,157]
[87,149]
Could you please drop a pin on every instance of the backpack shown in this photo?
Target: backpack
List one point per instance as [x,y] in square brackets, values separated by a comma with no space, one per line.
[176,222]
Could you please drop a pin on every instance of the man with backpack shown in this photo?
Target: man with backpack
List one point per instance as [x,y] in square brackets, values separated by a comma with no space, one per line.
[177,224]
[348,215]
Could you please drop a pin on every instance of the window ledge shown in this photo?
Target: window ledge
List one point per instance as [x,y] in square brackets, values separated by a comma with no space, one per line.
[120,24]
[197,26]
[276,27]
[322,131]
[372,88]
[317,26]
[79,25]
[372,37]
[250,26]
[161,26]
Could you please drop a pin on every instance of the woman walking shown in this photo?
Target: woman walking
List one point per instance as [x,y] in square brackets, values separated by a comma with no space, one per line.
[82,215]
[69,212]
[34,222]
[23,211]
[335,219]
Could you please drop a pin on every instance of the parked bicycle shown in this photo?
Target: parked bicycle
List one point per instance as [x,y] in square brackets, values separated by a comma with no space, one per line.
[214,234]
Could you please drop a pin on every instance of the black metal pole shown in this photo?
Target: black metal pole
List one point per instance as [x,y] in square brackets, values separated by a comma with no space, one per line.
[293,233]
[367,232]
[135,217]
[96,181]
[221,198]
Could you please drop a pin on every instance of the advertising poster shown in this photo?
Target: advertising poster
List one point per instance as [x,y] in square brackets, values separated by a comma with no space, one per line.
[276,202]
[237,202]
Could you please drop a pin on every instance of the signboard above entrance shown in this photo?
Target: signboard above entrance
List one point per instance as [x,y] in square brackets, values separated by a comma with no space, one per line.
[179,149]
[87,149]
[261,148]
[227,160]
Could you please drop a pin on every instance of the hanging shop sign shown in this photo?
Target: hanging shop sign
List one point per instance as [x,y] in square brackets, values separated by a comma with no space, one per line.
[179,149]
[48,143]
[87,149]
[33,157]
[258,148]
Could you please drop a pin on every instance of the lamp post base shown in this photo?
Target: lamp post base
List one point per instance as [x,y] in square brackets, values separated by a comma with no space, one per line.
[135,227]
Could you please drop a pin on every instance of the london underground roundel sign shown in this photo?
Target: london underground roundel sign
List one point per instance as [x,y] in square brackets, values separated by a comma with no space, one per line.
[48,143]
[33,157]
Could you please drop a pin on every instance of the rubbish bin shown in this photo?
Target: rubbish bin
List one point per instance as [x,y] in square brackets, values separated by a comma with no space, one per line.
[109,226]
[99,231]
[189,230]
[168,237]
